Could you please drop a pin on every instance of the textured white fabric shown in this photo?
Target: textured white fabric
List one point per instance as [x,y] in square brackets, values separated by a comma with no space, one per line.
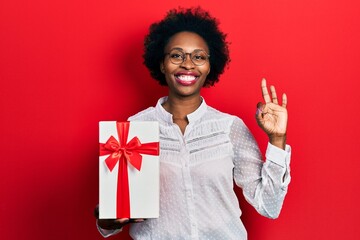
[197,171]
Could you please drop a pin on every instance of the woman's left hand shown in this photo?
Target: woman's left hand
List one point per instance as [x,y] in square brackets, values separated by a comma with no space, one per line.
[272,117]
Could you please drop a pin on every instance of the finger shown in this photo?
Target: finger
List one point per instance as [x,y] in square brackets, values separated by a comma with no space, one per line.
[259,116]
[273,94]
[264,91]
[137,220]
[284,100]
[122,220]
[260,110]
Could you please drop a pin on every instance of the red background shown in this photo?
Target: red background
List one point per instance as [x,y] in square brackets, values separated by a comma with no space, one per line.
[65,65]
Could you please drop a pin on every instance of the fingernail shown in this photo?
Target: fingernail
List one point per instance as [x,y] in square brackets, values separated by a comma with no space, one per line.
[258,111]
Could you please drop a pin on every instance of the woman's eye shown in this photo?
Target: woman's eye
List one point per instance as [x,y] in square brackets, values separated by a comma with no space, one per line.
[176,56]
[199,57]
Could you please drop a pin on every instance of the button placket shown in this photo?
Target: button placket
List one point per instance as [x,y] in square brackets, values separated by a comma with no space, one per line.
[189,192]
[189,197]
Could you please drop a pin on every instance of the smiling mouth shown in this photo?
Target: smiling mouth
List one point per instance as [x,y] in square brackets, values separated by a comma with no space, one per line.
[186,80]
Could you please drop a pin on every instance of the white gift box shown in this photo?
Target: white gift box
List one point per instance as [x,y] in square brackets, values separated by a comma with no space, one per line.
[142,184]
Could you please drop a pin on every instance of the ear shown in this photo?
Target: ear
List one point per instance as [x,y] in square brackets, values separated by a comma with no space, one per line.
[162,68]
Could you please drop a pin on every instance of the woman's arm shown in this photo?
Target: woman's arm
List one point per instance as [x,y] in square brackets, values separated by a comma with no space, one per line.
[264,184]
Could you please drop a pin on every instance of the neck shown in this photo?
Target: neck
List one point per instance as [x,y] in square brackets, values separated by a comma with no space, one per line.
[181,107]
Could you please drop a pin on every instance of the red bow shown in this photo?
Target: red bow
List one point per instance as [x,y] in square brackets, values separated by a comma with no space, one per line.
[126,151]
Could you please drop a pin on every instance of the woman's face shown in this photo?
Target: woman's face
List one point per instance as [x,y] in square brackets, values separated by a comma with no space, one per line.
[185,79]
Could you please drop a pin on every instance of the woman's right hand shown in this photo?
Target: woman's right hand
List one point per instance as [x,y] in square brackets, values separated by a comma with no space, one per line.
[113,224]
[110,224]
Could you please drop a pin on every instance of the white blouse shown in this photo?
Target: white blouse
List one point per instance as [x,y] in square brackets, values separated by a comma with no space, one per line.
[197,171]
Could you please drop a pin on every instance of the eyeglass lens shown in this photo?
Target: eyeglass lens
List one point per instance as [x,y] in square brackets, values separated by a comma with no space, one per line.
[198,57]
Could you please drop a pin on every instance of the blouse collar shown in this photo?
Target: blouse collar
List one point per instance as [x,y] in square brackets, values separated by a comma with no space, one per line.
[192,117]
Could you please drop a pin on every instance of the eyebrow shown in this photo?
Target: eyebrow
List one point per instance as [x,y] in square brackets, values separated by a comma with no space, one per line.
[178,48]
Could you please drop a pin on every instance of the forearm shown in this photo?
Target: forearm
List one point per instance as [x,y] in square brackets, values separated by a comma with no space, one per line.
[267,190]
[278,141]
[264,184]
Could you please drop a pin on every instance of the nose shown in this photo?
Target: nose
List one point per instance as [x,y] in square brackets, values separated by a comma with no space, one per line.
[187,63]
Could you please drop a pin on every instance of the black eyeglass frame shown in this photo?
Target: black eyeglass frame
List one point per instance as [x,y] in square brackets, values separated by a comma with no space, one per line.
[184,54]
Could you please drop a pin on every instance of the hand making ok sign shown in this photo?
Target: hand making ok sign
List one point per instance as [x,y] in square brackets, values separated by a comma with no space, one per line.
[273,117]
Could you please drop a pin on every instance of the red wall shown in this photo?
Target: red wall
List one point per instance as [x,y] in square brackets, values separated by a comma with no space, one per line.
[65,65]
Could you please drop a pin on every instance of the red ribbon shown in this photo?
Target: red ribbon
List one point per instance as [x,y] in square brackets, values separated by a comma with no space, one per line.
[124,152]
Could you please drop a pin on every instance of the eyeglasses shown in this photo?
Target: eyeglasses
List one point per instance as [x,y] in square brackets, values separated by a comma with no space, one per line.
[178,56]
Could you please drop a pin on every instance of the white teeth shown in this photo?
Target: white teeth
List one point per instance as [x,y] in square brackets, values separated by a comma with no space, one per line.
[186,77]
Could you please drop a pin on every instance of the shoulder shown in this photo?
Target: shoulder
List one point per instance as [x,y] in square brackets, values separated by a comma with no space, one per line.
[147,114]
[229,121]
[215,120]
[213,113]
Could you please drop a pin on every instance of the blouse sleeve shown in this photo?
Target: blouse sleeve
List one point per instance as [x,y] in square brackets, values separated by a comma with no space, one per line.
[264,184]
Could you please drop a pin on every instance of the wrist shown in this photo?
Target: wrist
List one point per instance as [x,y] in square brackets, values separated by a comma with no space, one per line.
[278,140]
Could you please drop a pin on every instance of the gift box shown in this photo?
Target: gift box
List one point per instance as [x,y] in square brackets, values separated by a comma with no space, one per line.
[128,170]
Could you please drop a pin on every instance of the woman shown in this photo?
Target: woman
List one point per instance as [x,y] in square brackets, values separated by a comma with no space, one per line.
[202,149]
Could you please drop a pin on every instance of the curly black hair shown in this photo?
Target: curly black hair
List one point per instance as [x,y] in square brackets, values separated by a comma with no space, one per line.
[194,20]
